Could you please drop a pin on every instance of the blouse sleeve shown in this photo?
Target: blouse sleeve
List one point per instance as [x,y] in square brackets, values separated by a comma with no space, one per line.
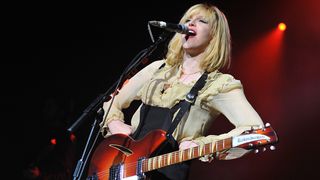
[232,103]
[127,94]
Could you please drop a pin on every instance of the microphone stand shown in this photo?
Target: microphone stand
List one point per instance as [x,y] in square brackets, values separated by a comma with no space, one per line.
[97,106]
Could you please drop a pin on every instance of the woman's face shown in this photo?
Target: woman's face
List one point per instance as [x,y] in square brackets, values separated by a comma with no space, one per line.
[196,44]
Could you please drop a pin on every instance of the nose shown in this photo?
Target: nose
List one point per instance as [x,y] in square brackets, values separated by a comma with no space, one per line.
[191,23]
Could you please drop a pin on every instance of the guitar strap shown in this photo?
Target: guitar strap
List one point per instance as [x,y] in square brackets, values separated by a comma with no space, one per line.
[187,102]
[147,112]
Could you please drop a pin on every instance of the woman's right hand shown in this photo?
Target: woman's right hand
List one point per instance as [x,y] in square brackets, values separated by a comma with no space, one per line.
[117,126]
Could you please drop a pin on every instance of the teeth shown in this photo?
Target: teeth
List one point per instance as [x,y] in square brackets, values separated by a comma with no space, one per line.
[192,33]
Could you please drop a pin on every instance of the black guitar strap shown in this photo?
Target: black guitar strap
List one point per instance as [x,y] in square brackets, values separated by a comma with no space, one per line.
[189,100]
[165,114]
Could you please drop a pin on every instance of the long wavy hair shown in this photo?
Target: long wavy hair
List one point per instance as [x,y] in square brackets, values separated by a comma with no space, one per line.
[217,55]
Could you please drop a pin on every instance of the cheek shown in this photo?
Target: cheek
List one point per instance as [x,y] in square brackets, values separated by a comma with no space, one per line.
[206,33]
[206,36]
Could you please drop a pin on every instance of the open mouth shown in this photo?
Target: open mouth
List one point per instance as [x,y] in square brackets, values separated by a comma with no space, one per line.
[190,34]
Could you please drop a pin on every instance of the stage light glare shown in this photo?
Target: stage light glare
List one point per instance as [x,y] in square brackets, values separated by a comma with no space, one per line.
[282,26]
[53,141]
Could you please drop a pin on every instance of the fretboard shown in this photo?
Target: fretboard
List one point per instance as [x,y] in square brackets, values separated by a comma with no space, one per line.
[168,159]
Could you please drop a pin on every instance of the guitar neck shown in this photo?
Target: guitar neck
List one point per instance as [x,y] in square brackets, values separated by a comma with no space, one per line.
[168,159]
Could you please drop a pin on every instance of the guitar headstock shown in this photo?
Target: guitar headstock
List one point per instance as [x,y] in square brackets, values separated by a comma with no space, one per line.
[256,138]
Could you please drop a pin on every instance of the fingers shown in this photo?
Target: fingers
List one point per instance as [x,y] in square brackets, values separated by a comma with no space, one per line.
[116,127]
[187,144]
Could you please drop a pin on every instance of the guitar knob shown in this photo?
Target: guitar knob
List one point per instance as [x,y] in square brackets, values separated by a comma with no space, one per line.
[264,149]
[256,151]
[267,124]
[272,148]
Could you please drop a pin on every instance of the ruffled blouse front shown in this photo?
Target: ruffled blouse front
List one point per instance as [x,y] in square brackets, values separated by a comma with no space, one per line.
[222,93]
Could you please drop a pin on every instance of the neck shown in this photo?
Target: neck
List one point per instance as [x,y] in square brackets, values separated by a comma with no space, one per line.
[191,65]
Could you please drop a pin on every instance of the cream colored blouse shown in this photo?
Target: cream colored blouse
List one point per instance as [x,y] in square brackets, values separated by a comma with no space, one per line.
[222,93]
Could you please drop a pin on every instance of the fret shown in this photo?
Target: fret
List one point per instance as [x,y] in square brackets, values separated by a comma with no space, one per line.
[217,148]
[201,150]
[195,152]
[150,164]
[159,161]
[223,144]
[180,156]
[186,154]
[198,153]
[205,149]
[176,157]
[153,164]
[192,153]
[143,166]
[189,153]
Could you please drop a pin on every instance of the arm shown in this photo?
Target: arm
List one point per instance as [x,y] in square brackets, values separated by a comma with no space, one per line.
[236,108]
[114,121]
[234,105]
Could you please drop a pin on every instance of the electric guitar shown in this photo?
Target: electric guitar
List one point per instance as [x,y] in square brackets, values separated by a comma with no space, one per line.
[119,157]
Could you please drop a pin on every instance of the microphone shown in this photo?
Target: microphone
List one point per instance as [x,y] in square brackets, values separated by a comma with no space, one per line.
[179,28]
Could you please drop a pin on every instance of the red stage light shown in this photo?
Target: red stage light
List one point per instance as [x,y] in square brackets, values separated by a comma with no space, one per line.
[72,137]
[53,141]
[282,26]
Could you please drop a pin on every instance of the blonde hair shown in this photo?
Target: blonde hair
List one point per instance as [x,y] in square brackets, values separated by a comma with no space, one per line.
[218,53]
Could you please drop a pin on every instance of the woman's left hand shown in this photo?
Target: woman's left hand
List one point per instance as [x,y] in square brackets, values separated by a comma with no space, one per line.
[187,144]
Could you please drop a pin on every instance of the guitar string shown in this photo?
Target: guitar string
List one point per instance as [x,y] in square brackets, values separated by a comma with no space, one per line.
[133,165]
[128,167]
[174,156]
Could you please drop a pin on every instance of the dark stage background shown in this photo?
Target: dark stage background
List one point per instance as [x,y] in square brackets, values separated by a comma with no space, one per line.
[65,55]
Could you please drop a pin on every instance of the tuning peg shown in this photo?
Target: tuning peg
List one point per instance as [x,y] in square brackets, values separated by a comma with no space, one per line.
[272,148]
[256,151]
[267,125]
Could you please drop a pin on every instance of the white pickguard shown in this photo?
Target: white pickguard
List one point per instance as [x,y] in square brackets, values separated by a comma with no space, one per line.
[131,178]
